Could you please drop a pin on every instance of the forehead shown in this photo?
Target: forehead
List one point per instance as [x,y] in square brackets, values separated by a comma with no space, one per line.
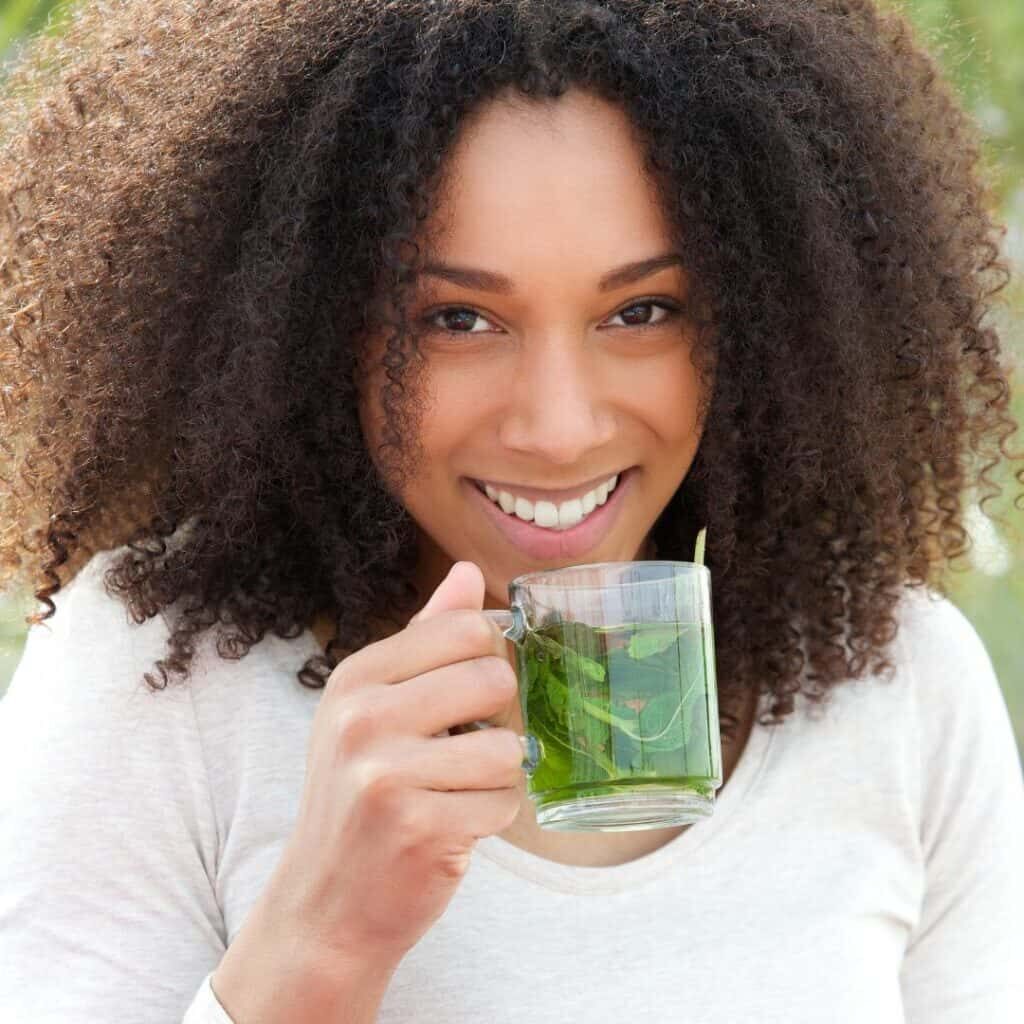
[568,171]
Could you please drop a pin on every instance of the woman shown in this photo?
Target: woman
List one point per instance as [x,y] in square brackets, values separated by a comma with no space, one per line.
[306,306]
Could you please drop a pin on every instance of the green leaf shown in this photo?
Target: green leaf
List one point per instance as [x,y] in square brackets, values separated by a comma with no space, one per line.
[658,712]
[546,645]
[632,679]
[555,764]
[583,665]
[588,733]
[557,693]
[605,735]
[644,644]
[579,636]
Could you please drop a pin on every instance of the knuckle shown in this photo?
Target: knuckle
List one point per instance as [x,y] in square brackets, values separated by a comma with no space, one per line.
[412,826]
[501,676]
[355,724]
[501,758]
[476,630]
[379,787]
[453,863]
[341,677]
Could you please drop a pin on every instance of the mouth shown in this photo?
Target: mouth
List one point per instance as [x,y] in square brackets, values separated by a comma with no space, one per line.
[549,543]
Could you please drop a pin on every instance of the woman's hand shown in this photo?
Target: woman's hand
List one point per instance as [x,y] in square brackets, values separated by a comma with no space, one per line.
[390,811]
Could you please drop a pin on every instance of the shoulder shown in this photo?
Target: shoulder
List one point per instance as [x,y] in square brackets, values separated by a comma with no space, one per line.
[940,696]
[92,649]
[960,724]
[89,645]
[947,667]
[79,713]
[79,689]
[931,624]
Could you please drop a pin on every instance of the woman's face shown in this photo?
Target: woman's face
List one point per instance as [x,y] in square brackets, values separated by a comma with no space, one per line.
[549,367]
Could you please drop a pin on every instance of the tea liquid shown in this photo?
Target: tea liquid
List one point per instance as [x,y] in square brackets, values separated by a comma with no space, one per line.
[620,708]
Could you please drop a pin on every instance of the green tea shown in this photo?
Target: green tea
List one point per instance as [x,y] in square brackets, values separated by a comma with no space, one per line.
[620,708]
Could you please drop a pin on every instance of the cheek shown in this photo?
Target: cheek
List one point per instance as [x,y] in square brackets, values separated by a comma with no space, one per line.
[373,382]
[456,405]
[450,420]
[665,396]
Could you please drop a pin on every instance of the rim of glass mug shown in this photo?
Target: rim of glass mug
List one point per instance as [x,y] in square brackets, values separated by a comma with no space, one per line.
[534,579]
[511,621]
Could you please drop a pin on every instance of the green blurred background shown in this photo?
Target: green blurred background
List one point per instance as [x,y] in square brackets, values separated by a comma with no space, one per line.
[980,43]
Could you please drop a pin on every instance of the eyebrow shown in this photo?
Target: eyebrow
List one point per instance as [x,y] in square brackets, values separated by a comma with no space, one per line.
[488,281]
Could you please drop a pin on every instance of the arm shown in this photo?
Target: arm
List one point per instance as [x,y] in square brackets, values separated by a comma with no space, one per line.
[273,973]
[964,962]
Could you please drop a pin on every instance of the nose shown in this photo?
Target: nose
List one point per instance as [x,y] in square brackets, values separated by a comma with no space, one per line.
[559,407]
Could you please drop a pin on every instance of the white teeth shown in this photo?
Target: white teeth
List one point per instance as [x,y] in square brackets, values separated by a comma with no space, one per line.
[548,515]
[524,510]
[570,513]
[545,513]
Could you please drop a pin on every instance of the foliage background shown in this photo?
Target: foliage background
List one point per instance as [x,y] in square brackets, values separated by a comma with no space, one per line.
[980,45]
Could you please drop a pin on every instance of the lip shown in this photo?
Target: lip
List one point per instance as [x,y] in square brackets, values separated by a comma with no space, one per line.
[549,545]
[555,497]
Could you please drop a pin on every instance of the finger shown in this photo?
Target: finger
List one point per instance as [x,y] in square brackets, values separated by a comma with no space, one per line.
[476,813]
[445,639]
[467,691]
[481,759]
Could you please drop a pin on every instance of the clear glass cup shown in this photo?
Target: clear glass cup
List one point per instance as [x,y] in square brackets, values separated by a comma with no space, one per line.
[616,668]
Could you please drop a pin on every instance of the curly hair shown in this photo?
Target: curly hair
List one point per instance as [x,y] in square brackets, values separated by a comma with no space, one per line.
[203,204]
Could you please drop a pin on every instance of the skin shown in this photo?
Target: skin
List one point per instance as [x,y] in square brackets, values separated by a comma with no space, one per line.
[557,382]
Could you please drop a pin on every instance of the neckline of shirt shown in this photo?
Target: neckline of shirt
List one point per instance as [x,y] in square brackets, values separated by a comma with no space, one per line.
[573,878]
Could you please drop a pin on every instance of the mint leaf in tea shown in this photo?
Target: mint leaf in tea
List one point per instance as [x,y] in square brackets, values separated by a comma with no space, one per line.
[618,707]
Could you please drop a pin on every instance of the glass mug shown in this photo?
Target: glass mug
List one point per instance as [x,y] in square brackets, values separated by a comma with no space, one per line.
[616,668]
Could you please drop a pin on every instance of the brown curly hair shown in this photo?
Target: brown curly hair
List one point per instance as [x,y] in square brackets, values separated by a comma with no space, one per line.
[202,204]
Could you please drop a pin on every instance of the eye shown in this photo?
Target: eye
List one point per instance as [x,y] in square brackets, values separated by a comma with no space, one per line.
[631,311]
[462,319]
[455,319]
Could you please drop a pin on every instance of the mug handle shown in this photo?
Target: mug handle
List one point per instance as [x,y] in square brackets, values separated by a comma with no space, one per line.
[510,621]
[512,624]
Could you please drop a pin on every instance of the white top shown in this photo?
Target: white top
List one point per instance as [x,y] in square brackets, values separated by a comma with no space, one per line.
[862,865]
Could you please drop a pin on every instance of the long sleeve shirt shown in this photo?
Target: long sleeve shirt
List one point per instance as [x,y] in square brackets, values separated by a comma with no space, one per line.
[863,862]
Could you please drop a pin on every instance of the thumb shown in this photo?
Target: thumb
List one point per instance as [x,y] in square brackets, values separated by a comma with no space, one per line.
[463,587]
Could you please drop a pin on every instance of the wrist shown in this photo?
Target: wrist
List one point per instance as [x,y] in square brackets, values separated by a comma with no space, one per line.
[277,970]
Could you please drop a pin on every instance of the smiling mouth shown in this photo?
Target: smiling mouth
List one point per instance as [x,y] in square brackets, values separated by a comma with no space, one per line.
[549,515]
